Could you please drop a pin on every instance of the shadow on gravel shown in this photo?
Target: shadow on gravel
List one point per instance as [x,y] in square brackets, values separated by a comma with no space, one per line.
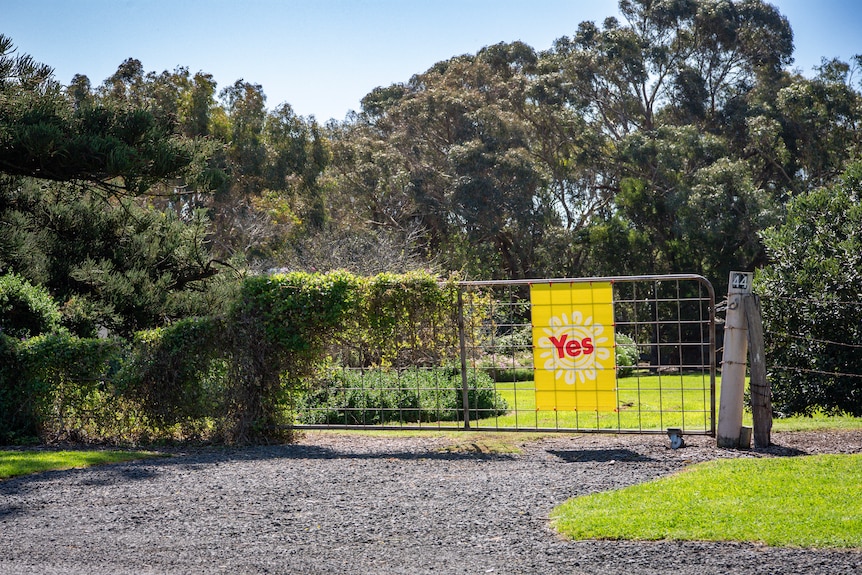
[124,473]
[317,452]
[201,459]
[95,476]
[7,511]
[781,451]
[600,455]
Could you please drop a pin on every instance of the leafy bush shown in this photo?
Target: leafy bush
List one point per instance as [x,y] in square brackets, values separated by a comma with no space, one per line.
[58,386]
[517,339]
[235,376]
[26,310]
[404,320]
[276,336]
[377,397]
[811,305]
[510,374]
[17,418]
[627,354]
[513,345]
[173,374]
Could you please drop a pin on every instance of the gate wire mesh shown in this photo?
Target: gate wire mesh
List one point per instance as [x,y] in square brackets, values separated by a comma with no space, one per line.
[473,369]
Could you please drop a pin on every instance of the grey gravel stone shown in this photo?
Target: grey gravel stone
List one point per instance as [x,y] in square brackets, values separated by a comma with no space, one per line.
[355,504]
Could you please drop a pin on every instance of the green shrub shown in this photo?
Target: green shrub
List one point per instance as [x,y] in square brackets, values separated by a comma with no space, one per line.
[404,320]
[518,339]
[174,375]
[236,376]
[811,310]
[276,336]
[17,419]
[627,355]
[377,397]
[26,310]
[510,374]
[58,386]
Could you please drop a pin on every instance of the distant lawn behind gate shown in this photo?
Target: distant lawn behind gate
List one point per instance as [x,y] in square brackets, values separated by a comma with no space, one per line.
[646,403]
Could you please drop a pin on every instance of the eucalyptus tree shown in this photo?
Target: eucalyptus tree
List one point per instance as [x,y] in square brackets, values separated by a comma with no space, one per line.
[450,152]
[275,159]
[297,154]
[654,92]
[820,120]
[260,178]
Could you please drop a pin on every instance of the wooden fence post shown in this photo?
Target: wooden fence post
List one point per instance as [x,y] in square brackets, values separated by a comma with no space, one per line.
[761,391]
[733,362]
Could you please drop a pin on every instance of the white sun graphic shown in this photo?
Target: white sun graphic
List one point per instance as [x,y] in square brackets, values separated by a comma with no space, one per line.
[577,361]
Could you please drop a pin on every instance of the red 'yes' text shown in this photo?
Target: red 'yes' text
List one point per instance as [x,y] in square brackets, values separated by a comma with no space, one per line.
[572,347]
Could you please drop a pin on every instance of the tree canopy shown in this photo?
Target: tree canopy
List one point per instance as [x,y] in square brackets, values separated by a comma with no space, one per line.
[663,141]
[75,216]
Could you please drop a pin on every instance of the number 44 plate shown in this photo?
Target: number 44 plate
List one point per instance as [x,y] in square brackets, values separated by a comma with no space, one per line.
[740,282]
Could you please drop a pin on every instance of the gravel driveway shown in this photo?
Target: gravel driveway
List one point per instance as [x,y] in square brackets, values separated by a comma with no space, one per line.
[341,504]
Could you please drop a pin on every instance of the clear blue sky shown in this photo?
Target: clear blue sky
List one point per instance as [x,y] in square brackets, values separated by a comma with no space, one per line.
[323,56]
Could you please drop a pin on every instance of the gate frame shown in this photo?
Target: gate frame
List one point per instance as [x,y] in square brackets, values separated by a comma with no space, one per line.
[675,434]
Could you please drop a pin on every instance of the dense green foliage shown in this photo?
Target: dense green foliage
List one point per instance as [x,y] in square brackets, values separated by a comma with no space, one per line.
[626,353]
[354,397]
[405,320]
[113,264]
[277,336]
[73,215]
[664,141]
[44,136]
[57,386]
[172,374]
[26,310]
[623,149]
[234,376]
[813,314]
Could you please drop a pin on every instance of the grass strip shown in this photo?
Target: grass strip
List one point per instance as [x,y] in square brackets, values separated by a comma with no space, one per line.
[810,502]
[17,463]
[815,422]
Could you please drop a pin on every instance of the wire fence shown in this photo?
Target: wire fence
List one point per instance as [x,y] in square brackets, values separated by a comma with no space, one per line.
[812,353]
[616,355]
[810,341]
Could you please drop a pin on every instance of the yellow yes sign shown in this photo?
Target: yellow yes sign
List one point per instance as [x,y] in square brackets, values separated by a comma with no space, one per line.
[573,346]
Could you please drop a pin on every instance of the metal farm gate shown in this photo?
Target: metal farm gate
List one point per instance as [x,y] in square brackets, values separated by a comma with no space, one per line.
[613,354]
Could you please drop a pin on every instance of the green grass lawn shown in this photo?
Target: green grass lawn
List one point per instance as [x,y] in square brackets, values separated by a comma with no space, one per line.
[802,501]
[647,403]
[16,463]
[815,422]
[808,501]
